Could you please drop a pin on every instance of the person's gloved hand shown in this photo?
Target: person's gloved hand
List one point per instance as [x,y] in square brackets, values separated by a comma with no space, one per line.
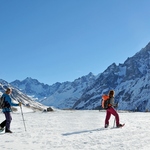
[116,105]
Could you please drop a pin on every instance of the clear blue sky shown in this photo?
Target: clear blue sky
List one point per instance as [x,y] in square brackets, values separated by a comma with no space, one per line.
[62,40]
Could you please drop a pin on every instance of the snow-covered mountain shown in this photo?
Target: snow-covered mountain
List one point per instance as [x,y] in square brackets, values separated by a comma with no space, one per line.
[32,88]
[19,96]
[60,95]
[130,80]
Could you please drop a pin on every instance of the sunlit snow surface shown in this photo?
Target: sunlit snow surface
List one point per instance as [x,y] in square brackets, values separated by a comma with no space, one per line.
[76,130]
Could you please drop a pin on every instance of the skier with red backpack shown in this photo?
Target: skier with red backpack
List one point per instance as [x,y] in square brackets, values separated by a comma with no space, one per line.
[108,104]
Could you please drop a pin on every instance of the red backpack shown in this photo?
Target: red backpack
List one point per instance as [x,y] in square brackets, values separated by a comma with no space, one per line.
[105,101]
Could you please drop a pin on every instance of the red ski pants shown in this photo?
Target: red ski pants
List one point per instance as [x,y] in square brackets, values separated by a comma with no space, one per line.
[112,111]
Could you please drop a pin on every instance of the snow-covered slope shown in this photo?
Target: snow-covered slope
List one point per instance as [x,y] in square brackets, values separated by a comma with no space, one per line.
[69,92]
[76,130]
[19,96]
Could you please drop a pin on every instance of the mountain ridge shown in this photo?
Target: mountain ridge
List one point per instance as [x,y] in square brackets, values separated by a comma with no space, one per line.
[126,79]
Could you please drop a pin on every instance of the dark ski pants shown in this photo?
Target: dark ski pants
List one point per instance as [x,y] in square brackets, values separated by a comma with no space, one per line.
[7,121]
[112,111]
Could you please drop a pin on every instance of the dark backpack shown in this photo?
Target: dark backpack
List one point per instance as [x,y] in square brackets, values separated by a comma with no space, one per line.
[2,102]
[105,101]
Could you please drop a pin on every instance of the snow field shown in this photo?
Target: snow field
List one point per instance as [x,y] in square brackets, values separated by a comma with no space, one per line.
[76,130]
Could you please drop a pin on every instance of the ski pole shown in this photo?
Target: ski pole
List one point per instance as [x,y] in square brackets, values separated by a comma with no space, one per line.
[115,118]
[114,122]
[23,118]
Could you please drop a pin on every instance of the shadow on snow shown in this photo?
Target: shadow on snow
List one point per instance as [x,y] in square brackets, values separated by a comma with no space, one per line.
[84,131]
